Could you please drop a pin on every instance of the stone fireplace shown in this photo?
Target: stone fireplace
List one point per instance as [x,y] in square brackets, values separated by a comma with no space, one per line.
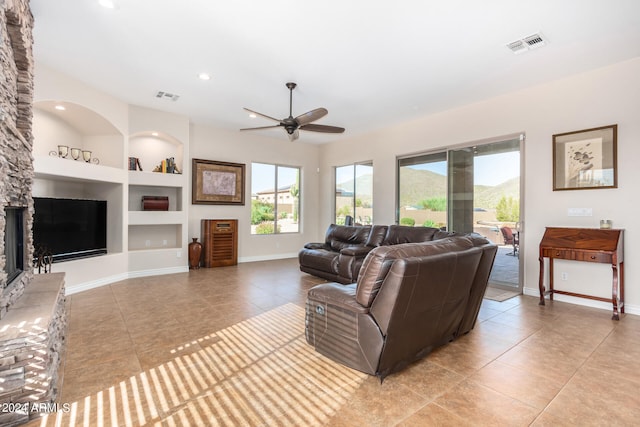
[32,307]
[16,98]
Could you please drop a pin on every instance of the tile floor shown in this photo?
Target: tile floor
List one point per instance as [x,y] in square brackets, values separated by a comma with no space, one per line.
[557,365]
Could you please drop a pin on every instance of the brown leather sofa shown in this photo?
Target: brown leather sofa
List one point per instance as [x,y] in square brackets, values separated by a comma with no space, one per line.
[409,299]
[341,255]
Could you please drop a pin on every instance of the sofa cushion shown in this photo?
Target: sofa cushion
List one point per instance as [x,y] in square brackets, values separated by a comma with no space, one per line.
[345,236]
[398,234]
[378,262]
[377,235]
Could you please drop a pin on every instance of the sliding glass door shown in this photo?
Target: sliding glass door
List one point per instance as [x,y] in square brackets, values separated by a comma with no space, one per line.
[473,188]
[354,193]
[422,190]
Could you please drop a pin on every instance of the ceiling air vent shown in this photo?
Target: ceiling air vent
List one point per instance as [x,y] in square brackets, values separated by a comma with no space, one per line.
[166,95]
[517,46]
[527,43]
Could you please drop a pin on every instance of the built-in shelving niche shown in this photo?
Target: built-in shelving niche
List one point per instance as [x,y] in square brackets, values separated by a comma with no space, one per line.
[79,127]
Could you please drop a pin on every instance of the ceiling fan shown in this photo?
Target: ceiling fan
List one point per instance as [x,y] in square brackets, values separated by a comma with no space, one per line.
[302,122]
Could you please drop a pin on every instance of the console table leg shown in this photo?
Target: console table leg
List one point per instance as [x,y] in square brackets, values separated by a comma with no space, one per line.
[541,281]
[622,287]
[550,279]
[614,293]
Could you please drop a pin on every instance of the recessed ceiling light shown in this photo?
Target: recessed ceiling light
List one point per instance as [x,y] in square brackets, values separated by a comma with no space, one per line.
[204,76]
[154,133]
[109,4]
[253,116]
[60,107]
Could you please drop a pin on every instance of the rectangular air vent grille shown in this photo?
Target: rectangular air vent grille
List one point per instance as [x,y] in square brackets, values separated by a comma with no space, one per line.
[166,95]
[527,43]
[517,46]
[534,40]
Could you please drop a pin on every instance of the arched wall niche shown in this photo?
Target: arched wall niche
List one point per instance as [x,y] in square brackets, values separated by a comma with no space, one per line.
[151,147]
[72,125]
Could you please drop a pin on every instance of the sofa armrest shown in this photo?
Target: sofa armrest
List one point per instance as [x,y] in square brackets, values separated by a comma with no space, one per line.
[357,251]
[314,245]
[349,262]
[337,295]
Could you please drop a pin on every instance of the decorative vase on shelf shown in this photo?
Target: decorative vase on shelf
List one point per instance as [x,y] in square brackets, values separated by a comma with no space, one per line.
[195,251]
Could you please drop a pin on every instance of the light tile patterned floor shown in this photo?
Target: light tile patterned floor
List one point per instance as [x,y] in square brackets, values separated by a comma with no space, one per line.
[219,347]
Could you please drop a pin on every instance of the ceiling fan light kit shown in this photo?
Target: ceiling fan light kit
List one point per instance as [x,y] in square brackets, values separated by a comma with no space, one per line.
[304,121]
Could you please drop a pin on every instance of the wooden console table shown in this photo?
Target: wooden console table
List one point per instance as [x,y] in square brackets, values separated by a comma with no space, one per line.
[589,245]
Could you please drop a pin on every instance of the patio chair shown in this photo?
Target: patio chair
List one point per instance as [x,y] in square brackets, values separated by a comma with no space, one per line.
[510,239]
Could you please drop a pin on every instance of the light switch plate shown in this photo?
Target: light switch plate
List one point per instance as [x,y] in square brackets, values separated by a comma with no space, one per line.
[580,212]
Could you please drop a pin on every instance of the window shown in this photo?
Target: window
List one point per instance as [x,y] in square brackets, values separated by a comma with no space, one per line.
[466,189]
[354,193]
[275,199]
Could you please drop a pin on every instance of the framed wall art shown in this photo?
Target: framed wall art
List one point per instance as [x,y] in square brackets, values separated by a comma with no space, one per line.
[586,159]
[217,183]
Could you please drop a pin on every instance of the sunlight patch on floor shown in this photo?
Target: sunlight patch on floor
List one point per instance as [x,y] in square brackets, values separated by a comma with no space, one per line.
[257,372]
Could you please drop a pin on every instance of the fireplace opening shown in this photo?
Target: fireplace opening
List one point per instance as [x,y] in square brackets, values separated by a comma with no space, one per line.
[14,243]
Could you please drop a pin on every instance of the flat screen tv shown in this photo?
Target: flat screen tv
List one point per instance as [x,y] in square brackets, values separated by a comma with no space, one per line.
[70,228]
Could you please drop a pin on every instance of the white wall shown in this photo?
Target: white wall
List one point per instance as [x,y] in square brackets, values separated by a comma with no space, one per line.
[602,97]
[51,85]
[247,147]
[63,134]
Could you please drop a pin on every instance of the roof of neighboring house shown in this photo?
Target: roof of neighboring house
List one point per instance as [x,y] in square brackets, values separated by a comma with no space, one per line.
[280,190]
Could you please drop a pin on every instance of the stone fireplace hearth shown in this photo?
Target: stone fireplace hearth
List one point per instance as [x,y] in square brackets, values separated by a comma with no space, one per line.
[32,308]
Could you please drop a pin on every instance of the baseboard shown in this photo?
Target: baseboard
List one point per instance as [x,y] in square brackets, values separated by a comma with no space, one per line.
[628,309]
[116,278]
[268,257]
[95,284]
[158,271]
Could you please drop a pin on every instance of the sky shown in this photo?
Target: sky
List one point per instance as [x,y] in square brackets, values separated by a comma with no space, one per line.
[496,169]
[263,176]
[489,170]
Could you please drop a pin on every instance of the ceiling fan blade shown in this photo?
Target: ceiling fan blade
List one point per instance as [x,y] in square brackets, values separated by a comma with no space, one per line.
[262,115]
[293,136]
[322,128]
[262,127]
[311,116]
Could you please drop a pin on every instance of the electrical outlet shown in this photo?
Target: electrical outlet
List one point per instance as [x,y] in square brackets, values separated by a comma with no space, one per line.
[164,243]
[580,212]
[179,254]
[147,243]
[564,276]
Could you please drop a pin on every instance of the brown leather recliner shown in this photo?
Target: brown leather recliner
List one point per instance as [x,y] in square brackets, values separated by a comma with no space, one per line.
[409,299]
